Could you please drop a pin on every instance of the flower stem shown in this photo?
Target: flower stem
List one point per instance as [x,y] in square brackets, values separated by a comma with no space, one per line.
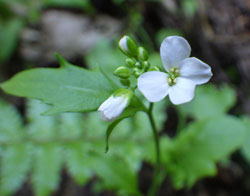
[155,134]
[157,179]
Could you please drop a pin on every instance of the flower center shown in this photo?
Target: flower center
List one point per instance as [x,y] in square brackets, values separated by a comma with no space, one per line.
[172,75]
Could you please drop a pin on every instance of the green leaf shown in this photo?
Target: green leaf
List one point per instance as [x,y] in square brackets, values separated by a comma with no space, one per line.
[210,101]
[77,162]
[246,145]
[195,152]
[114,173]
[71,125]
[15,165]
[67,89]
[15,160]
[46,169]
[134,107]
[11,126]
[76,141]
[40,127]
[109,131]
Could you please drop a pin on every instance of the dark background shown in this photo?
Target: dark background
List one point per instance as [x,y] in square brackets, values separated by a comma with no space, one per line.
[218,31]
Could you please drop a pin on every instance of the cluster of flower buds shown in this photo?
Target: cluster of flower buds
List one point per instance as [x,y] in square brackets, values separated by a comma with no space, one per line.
[136,63]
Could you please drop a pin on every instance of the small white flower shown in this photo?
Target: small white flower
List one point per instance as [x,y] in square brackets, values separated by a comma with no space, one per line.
[182,75]
[113,107]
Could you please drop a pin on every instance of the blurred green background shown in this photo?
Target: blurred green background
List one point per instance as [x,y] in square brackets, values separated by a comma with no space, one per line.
[64,155]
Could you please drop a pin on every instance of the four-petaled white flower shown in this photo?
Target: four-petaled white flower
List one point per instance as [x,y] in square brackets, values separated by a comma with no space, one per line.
[113,107]
[182,75]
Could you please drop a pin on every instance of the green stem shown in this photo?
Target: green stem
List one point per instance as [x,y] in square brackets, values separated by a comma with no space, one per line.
[158,177]
[155,134]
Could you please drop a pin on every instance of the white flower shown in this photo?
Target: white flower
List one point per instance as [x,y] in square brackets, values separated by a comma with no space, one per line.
[182,75]
[113,107]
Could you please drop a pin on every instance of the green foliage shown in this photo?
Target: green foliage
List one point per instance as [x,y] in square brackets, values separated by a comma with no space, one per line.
[106,58]
[46,168]
[15,164]
[246,145]
[75,141]
[68,88]
[8,38]
[85,4]
[195,152]
[189,7]
[15,161]
[209,101]
[163,33]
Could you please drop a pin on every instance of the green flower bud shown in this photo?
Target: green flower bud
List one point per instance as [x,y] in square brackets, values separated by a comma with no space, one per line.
[142,54]
[122,72]
[138,64]
[154,68]
[128,46]
[145,65]
[137,72]
[130,62]
[125,82]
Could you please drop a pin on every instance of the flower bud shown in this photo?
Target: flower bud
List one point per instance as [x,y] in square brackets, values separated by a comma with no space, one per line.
[145,65]
[142,54]
[138,64]
[122,72]
[128,46]
[113,107]
[137,72]
[130,62]
[125,82]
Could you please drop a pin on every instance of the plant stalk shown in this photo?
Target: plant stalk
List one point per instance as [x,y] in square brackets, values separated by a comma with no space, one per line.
[155,134]
[157,178]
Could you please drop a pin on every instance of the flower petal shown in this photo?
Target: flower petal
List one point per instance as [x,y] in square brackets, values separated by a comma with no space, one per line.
[195,70]
[123,43]
[182,91]
[153,85]
[113,107]
[173,50]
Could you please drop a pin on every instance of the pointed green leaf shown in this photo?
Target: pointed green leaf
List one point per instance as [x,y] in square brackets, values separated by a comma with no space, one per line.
[67,89]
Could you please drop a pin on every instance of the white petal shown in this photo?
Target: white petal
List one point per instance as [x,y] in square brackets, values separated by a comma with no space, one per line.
[153,85]
[123,43]
[195,70]
[173,50]
[182,91]
[113,107]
